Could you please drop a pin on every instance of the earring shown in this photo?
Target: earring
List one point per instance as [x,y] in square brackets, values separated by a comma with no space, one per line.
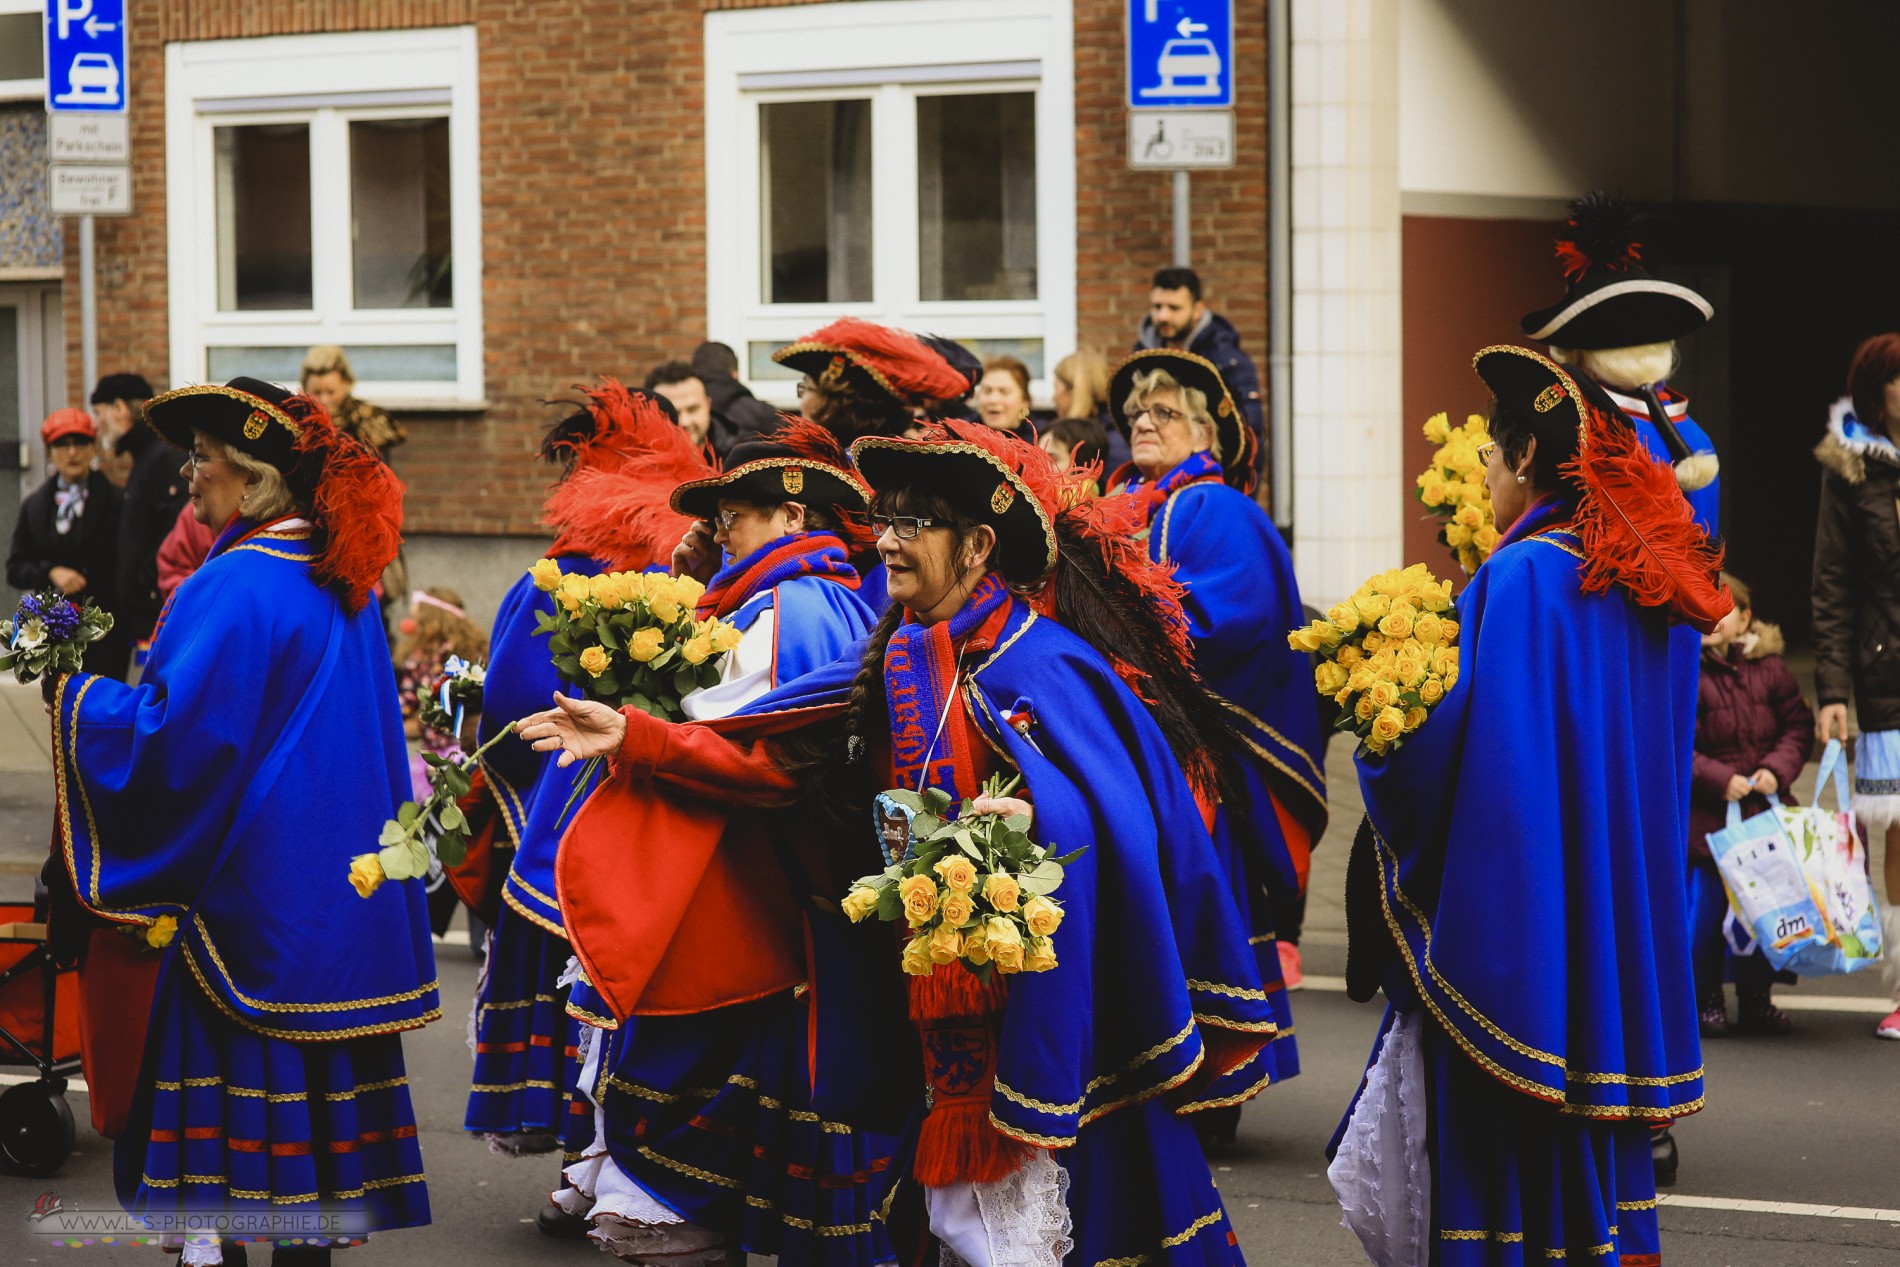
[1523,479]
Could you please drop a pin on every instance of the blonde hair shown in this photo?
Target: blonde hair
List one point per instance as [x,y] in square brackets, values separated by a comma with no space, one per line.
[326,358]
[1626,369]
[1086,372]
[269,497]
[1148,382]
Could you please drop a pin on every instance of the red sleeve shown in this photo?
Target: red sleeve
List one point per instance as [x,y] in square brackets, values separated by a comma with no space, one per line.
[703,763]
[182,552]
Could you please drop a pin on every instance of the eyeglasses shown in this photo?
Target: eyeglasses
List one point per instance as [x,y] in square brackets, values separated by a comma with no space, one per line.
[195,459]
[905,526]
[1485,449]
[1162,415]
[806,388]
[724,519]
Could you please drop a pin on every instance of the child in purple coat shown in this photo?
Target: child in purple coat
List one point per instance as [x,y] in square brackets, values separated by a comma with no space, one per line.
[1753,734]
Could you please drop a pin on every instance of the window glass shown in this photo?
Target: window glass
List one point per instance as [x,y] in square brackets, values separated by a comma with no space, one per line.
[815,174]
[21,56]
[263,216]
[432,362]
[399,213]
[976,196]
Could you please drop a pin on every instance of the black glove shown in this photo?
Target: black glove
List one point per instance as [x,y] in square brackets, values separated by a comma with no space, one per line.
[69,925]
[1369,950]
[49,687]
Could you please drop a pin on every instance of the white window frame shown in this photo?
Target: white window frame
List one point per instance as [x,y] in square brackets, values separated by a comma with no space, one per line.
[25,89]
[890,51]
[328,80]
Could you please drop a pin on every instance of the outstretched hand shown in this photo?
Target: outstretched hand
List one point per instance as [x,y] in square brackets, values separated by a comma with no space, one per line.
[1004,805]
[578,729]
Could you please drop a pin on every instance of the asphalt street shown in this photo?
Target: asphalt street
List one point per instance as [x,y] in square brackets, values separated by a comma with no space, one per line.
[1809,1123]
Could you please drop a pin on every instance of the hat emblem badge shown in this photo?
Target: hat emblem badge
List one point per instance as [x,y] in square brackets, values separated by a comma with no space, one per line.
[793,477]
[1549,398]
[1226,408]
[1003,498]
[255,424]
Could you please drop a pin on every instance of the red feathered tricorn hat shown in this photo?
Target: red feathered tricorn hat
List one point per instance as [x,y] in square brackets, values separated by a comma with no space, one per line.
[1635,526]
[1610,300]
[354,499]
[801,462]
[895,362]
[1189,370]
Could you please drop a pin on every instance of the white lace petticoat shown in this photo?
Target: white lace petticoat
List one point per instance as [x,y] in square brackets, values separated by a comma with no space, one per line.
[1018,1221]
[1381,1173]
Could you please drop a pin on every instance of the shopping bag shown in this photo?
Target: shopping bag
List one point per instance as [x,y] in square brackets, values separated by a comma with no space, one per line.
[1797,879]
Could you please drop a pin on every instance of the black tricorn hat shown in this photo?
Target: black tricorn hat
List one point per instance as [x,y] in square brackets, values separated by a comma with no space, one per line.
[969,465]
[766,473]
[1189,370]
[247,414]
[1531,384]
[1610,300]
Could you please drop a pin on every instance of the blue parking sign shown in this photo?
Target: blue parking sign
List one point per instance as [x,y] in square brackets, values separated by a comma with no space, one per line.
[1180,53]
[85,55]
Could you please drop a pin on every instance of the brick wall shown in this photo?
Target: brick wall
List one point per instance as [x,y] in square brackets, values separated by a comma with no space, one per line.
[1125,219]
[593,219]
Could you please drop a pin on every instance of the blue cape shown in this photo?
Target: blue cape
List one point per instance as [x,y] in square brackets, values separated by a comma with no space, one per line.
[261,751]
[1529,842]
[1153,957]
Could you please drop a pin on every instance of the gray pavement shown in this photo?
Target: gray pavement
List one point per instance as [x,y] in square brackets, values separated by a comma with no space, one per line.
[1810,1122]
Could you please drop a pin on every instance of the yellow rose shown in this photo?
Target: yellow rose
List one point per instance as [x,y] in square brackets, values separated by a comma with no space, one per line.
[1451,677]
[606,591]
[1451,635]
[696,648]
[725,636]
[859,902]
[658,587]
[946,943]
[1329,677]
[957,908]
[1001,891]
[1372,643]
[645,644]
[1388,725]
[546,574]
[1414,718]
[664,610]
[576,588]
[366,873]
[1397,622]
[976,944]
[1431,488]
[159,935]
[1344,617]
[1469,516]
[1383,694]
[1306,639]
[1363,675]
[1411,668]
[1372,607]
[687,592]
[1438,428]
[1454,492]
[596,660]
[1431,690]
[1428,628]
[957,872]
[1486,539]
[1365,708]
[920,898]
[1006,945]
[1039,955]
[1376,745]
[1457,535]
[1042,916]
[1348,655]
[917,960]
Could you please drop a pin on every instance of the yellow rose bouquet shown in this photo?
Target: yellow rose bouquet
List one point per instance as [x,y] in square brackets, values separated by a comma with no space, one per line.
[630,639]
[1452,488]
[973,888]
[1388,654]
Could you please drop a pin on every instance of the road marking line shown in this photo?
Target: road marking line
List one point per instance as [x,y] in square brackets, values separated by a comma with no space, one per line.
[1743,1205]
[1862,1004]
[15,1079]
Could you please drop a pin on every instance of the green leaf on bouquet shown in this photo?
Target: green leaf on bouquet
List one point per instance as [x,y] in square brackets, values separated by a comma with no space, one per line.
[407,813]
[1070,856]
[608,638]
[967,843]
[607,684]
[908,799]
[663,659]
[544,621]
[569,667]
[889,904]
[561,644]
[451,817]
[936,800]
[392,833]
[433,761]
[452,848]
[1018,823]
[1043,879]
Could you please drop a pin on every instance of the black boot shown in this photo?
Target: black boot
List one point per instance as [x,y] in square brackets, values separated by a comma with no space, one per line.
[1662,1152]
[562,1226]
[300,1256]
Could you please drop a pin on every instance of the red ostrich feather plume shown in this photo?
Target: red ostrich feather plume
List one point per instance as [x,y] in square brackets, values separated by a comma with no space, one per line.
[1601,234]
[818,445]
[1638,531]
[355,501]
[613,504]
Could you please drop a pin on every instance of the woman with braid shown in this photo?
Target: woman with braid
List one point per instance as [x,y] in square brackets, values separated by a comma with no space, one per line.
[1042,1112]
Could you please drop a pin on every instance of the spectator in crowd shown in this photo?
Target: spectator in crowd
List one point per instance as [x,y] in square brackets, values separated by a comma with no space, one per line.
[117,403]
[1002,397]
[182,552]
[1753,734]
[1080,384]
[686,391]
[1857,603]
[1178,318]
[155,491]
[737,415]
[67,535]
[328,377]
[1073,442]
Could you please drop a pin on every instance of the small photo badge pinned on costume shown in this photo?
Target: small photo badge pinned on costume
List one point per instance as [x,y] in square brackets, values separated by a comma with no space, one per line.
[892,822]
[1022,719]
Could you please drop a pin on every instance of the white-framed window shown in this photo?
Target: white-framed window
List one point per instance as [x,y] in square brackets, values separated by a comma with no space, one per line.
[911,162]
[22,50]
[327,189]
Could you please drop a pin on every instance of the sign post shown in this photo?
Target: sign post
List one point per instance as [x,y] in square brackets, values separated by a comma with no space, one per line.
[1180,95]
[86,92]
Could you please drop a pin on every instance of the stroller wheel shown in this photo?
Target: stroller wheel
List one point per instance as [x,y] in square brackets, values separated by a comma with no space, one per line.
[36,1129]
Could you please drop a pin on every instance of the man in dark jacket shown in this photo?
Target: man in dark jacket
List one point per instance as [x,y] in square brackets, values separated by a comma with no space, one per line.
[155,491]
[1178,319]
[67,535]
[737,414]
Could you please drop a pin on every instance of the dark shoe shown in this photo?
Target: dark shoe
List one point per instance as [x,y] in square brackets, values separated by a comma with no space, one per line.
[558,1223]
[1757,1015]
[1713,1019]
[300,1256]
[1662,1153]
[234,1255]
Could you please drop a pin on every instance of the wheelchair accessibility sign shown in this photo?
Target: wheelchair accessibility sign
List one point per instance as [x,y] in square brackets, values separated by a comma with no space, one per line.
[1180,54]
[85,55]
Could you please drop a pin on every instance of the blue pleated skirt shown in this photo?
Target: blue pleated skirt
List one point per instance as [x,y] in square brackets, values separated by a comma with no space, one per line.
[524,1039]
[711,1113]
[229,1120]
